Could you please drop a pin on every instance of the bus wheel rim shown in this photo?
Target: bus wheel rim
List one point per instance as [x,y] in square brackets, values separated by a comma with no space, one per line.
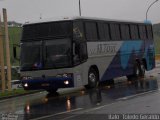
[92,77]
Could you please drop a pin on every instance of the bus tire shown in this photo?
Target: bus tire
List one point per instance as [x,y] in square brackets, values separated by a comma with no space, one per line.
[142,69]
[93,78]
[52,91]
[138,71]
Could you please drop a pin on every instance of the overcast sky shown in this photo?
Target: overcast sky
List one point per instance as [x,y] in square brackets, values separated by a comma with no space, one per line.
[29,10]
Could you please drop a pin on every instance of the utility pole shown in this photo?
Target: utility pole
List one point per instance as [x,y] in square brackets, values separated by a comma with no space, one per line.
[2,59]
[7,49]
[149,8]
[79,7]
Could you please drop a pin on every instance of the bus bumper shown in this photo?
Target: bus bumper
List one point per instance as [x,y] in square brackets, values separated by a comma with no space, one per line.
[50,83]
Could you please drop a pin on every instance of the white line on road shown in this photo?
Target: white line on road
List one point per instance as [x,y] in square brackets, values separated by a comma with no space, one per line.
[52,115]
[131,96]
[90,110]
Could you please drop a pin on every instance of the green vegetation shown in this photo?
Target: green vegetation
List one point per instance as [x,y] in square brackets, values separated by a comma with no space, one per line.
[14,37]
[14,92]
[157,43]
[156,29]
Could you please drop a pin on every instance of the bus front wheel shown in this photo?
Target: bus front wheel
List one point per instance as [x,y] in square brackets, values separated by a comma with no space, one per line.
[93,78]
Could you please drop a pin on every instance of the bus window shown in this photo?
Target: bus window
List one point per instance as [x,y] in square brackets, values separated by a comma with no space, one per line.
[125,32]
[43,30]
[134,32]
[31,55]
[91,31]
[58,53]
[115,31]
[149,32]
[83,51]
[80,52]
[103,30]
[78,33]
[142,32]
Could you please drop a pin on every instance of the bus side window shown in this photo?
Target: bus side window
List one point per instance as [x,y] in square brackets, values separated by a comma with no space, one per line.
[134,32]
[149,32]
[79,52]
[83,51]
[91,31]
[115,31]
[78,31]
[76,53]
[125,33]
[142,31]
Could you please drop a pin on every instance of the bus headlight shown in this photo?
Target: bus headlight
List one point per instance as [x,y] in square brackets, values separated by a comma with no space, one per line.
[66,82]
[26,85]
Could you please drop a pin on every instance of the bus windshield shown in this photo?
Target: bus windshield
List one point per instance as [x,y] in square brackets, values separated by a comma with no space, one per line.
[49,30]
[45,55]
[30,55]
[57,53]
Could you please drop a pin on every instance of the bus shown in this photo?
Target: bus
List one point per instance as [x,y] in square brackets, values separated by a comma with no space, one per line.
[83,51]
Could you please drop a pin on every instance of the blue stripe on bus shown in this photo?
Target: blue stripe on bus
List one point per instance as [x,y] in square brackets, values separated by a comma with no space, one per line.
[149,55]
[122,63]
[130,47]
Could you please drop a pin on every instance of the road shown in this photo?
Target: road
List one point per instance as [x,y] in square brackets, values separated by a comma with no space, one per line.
[124,97]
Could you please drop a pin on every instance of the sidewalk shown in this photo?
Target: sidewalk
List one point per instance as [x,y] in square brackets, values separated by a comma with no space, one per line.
[157,63]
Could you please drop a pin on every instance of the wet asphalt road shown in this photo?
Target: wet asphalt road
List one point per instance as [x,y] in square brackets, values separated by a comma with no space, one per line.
[123,97]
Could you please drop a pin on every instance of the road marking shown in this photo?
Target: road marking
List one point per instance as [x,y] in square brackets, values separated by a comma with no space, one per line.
[89,110]
[47,116]
[117,101]
[96,108]
[70,117]
[131,96]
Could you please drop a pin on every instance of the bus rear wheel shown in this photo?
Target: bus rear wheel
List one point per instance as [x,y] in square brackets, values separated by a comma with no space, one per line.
[93,78]
[139,71]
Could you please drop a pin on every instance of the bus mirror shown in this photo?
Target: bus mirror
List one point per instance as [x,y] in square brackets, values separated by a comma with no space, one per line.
[15,53]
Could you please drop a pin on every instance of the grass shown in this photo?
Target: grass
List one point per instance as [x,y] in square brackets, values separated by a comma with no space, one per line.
[157,57]
[14,39]
[157,44]
[14,92]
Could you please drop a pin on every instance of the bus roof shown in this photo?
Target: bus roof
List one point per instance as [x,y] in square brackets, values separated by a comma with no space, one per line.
[85,18]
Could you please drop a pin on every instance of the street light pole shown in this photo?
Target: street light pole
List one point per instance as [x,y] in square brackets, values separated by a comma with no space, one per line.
[79,7]
[149,8]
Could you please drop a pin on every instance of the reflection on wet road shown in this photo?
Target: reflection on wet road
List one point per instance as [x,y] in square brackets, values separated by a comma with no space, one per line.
[53,105]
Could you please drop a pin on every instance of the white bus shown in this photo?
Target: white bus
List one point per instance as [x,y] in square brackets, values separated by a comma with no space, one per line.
[82,51]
